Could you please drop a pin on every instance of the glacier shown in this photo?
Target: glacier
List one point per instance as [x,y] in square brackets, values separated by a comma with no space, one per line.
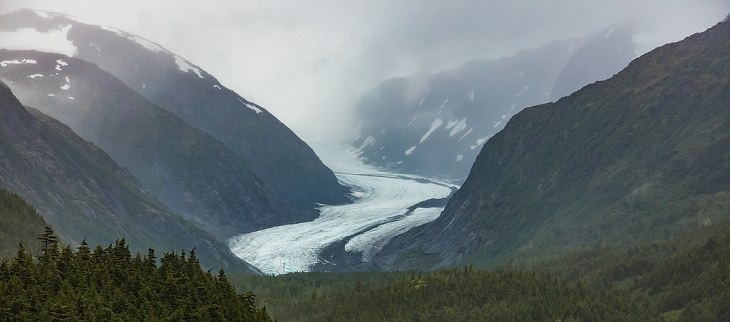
[379,212]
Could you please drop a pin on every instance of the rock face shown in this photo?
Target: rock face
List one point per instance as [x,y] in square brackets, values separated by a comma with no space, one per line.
[435,125]
[191,172]
[83,193]
[274,153]
[638,157]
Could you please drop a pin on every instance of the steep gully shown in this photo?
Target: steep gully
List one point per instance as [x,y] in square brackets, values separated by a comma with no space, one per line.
[384,205]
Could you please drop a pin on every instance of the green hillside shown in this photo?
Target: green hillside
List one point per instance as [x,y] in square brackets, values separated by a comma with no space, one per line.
[18,222]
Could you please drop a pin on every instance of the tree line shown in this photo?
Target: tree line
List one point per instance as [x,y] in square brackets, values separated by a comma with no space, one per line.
[111,284]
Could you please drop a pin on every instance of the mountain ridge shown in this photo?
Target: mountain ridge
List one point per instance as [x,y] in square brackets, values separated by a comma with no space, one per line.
[192,173]
[195,96]
[83,193]
[640,156]
[435,125]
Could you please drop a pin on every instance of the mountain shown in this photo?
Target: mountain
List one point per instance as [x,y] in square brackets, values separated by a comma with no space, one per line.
[83,193]
[434,125]
[191,172]
[19,222]
[642,156]
[276,155]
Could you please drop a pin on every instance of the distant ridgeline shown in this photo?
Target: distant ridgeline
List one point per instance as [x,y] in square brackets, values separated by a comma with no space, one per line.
[132,141]
[111,284]
[435,125]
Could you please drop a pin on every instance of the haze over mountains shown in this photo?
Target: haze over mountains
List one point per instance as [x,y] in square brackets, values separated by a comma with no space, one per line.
[84,193]
[199,99]
[642,156]
[594,186]
[435,125]
[220,166]
[192,173]
[214,165]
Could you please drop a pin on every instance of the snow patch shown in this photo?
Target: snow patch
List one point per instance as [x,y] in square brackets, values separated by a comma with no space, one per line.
[459,157]
[451,124]
[71,98]
[35,76]
[608,32]
[497,124]
[5,63]
[149,45]
[51,95]
[43,14]
[465,134]
[55,40]
[434,126]
[185,66]
[420,103]
[366,143]
[95,46]
[251,106]
[471,95]
[254,108]
[410,150]
[66,86]
[446,101]
[482,140]
[218,87]
[460,126]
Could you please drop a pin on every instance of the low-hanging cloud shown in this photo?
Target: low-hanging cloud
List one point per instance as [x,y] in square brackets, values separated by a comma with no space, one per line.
[309,61]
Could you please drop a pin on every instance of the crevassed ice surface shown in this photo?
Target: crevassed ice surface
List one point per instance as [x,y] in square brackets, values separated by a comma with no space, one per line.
[379,213]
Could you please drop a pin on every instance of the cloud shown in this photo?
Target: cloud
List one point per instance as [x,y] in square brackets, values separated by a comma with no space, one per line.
[308,61]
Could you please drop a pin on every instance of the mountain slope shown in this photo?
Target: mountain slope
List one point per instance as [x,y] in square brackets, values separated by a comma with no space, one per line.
[274,152]
[19,222]
[641,156]
[435,125]
[84,194]
[192,173]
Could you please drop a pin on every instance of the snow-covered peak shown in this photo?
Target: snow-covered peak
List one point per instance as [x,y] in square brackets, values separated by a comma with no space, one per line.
[54,40]
[186,66]
[41,37]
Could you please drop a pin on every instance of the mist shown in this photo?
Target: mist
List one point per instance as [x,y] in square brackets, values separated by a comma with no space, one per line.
[309,62]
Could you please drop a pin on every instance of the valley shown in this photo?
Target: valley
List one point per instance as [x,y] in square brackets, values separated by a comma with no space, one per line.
[382,208]
[569,176]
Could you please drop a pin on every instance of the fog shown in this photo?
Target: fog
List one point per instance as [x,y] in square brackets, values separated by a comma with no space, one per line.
[308,61]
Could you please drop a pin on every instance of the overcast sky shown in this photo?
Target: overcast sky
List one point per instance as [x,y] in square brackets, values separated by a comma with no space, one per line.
[307,61]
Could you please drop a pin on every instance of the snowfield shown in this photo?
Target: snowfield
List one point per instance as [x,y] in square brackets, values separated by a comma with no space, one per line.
[379,213]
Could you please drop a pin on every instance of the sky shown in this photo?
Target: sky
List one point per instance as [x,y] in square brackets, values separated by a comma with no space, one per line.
[309,61]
